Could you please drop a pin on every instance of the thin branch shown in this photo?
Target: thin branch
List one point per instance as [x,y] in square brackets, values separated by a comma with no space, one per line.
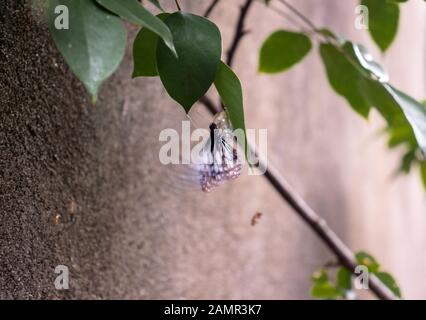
[313,30]
[324,232]
[286,16]
[240,31]
[210,9]
[345,256]
[299,14]
[177,5]
[208,103]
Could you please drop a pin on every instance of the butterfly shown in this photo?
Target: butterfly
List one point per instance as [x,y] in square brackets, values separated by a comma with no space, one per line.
[219,160]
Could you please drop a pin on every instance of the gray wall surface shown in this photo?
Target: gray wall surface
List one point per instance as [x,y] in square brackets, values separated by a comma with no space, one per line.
[81,184]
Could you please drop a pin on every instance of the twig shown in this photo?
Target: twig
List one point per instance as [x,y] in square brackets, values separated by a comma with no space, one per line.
[319,226]
[239,31]
[345,256]
[299,14]
[211,8]
[332,264]
[209,104]
[177,5]
[288,17]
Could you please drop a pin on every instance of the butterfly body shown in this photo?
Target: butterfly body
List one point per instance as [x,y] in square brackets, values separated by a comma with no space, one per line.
[220,161]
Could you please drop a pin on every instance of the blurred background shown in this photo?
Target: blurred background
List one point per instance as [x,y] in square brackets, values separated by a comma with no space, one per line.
[82,185]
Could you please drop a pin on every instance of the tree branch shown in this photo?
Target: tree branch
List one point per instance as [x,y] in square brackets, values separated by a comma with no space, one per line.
[177,5]
[208,103]
[345,256]
[210,9]
[239,31]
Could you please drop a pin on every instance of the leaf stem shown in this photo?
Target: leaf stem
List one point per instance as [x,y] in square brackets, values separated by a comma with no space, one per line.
[210,9]
[286,15]
[300,15]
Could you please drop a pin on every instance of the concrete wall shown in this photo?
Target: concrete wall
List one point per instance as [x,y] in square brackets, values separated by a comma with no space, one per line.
[81,184]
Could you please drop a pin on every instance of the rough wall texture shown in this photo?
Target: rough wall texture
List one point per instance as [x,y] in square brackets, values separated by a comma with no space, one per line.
[81,184]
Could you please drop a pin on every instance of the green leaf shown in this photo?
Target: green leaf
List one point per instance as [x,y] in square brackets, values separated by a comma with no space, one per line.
[198,44]
[408,160]
[319,276]
[383,21]
[157,4]
[374,267]
[325,290]
[389,281]
[354,74]
[344,279]
[282,49]
[94,44]
[331,35]
[344,77]
[380,98]
[144,52]
[415,113]
[401,134]
[364,60]
[134,12]
[423,172]
[400,129]
[229,87]
[367,260]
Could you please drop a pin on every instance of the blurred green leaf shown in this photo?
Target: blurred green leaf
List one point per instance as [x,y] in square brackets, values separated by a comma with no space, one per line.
[379,97]
[415,113]
[319,276]
[157,4]
[367,260]
[423,172]
[364,61]
[134,12]
[331,35]
[383,21]
[199,46]
[144,52]
[399,109]
[401,134]
[93,46]
[407,160]
[344,78]
[229,87]
[400,130]
[389,281]
[282,49]
[325,290]
[344,279]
